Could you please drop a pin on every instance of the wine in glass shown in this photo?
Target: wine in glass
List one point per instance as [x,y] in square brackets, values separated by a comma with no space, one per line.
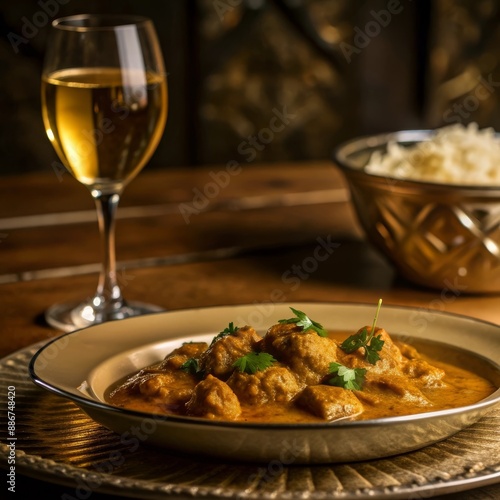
[104,105]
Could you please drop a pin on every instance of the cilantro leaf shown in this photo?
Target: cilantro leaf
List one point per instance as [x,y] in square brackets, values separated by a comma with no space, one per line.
[191,366]
[371,343]
[254,362]
[227,331]
[375,345]
[347,378]
[354,342]
[305,322]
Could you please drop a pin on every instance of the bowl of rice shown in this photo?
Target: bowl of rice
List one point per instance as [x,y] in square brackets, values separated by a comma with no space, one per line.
[430,200]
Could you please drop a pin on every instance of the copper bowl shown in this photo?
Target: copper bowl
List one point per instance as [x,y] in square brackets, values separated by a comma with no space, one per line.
[443,236]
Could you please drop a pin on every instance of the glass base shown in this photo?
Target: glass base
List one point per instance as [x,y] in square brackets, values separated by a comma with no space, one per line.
[74,316]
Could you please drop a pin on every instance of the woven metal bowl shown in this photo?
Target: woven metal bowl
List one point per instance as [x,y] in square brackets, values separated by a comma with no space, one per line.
[443,236]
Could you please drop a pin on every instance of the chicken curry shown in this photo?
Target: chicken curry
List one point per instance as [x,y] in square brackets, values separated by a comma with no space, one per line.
[298,372]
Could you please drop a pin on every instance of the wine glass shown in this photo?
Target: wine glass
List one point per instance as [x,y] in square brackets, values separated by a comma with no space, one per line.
[104,106]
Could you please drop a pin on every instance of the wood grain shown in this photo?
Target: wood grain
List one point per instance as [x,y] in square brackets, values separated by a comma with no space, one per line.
[243,247]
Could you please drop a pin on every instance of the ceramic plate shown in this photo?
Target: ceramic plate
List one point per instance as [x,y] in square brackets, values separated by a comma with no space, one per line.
[83,364]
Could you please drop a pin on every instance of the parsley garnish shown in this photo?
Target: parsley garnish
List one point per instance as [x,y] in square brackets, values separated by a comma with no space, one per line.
[191,366]
[307,324]
[227,331]
[371,344]
[348,378]
[254,362]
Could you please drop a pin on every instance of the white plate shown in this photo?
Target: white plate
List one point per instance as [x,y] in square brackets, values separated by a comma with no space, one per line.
[81,365]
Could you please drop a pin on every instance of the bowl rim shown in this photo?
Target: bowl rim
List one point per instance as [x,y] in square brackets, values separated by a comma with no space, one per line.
[341,152]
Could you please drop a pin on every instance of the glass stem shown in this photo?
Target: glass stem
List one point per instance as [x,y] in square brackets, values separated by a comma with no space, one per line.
[107,288]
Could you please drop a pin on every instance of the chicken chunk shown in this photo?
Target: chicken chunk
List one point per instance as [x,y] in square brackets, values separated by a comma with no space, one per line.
[397,384]
[423,374]
[306,353]
[171,390]
[418,370]
[179,356]
[219,358]
[212,398]
[390,355]
[387,374]
[403,375]
[329,402]
[276,384]
[276,331]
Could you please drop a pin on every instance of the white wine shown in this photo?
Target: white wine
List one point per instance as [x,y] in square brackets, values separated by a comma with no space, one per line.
[104,105]
[104,123]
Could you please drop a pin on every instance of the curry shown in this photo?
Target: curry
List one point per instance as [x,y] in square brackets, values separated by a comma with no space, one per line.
[298,372]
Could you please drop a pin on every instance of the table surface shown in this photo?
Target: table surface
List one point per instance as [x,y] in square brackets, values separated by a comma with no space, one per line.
[194,238]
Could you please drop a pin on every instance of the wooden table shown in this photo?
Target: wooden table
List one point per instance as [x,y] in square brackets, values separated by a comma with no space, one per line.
[198,237]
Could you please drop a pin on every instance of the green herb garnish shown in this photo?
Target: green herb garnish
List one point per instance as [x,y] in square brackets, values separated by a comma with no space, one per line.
[305,322]
[348,378]
[191,366]
[371,343]
[227,331]
[254,362]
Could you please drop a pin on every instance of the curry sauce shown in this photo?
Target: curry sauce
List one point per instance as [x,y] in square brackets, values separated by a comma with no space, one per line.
[296,387]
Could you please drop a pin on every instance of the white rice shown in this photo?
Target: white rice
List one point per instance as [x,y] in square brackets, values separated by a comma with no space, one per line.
[455,154]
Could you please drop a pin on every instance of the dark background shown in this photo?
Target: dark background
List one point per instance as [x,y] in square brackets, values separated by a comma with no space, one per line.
[341,68]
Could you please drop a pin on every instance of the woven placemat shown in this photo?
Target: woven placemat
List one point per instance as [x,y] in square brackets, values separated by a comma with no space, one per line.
[56,441]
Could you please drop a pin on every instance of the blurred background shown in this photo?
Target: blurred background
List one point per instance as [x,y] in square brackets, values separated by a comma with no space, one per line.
[257,80]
